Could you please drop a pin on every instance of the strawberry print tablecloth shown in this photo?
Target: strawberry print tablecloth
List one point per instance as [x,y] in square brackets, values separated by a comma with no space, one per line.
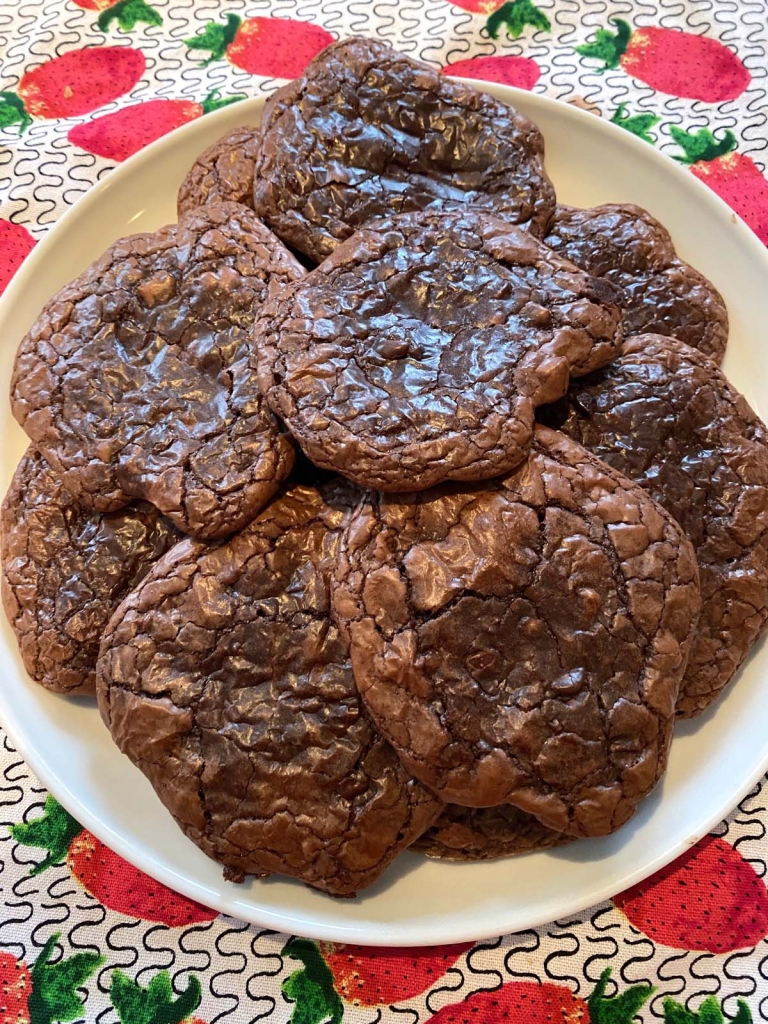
[85,937]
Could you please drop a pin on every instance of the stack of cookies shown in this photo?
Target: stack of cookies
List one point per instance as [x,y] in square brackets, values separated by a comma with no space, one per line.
[382,502]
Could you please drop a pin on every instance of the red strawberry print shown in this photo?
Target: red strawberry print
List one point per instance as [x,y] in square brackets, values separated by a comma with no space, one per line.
[127,13]
[71,85]
[273,47]
[121,134]
[15,987]
[709,899]
[477,6]
[154,1004]
[360,976]
[44,992]
[527,1002]
[378,976]
[736,178]
[111,880]
[16,244]
[521,72]
[671,61]
[122,887]
[514,15]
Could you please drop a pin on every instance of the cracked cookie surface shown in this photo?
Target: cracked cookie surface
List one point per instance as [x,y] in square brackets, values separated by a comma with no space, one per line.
[523,642]
[419,350]
[661,293]
[368,132]
[224,679]
[667,417]
[485,833]
[223,173]
[66,569]
[135,381]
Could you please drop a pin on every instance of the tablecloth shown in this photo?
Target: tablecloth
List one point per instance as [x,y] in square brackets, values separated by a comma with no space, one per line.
[86,937]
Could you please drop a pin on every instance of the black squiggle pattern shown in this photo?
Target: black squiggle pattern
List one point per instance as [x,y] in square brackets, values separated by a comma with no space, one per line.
[520,956]
[453,981]
[405,1015]
[559,962]
[636,954]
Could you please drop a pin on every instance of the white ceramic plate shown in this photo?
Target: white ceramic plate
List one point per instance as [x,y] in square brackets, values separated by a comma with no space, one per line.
[714,760]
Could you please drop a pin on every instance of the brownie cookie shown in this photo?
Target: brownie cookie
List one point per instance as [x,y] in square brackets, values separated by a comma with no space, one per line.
[666,416]
[223,678]
[485,833]
[523,642]
[65,570]
[368,132]
[224,172]
[136,381]
[662,294]
[418,351]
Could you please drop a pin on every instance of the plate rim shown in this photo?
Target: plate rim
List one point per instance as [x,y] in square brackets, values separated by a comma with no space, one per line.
[245,908]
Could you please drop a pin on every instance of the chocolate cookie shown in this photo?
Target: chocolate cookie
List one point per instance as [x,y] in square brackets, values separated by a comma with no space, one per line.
[523,642]
[662,294]
[667,417]
[136,382]
[368,132]
[223,678]
[486,833]
[418,351]
[65,570]
[224,172]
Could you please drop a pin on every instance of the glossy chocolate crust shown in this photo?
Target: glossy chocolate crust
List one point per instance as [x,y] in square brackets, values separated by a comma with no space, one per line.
[224,680]
[368,132]
[135,381]
[667,417]
[486,833]
[223,173]
[524,642]
[65,570]
[419,350]
[631,249]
